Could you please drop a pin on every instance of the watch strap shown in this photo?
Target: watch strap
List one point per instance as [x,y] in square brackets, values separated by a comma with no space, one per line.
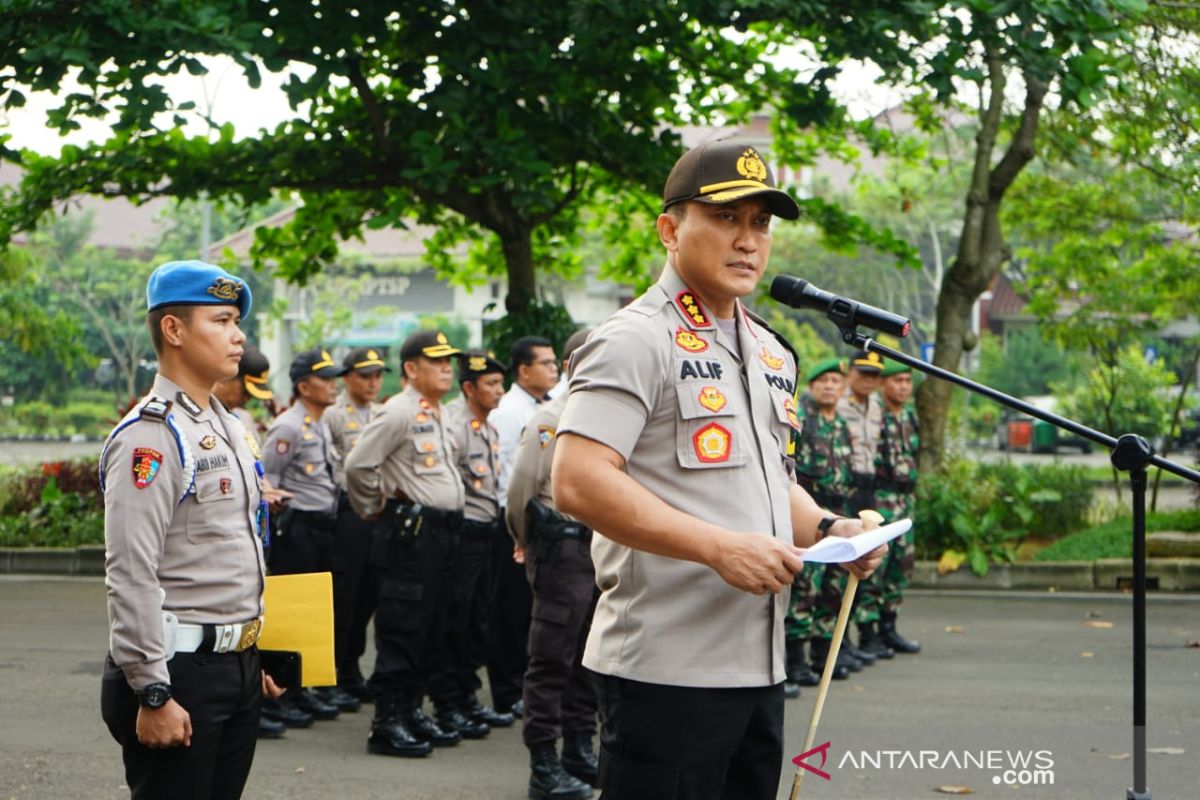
[824,525]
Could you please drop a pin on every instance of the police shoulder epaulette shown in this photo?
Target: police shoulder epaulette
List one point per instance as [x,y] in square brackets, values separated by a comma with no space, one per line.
[155,408]
[778,336]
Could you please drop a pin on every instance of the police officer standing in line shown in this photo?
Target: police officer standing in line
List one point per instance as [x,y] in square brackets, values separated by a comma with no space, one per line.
[895,482]
[401,473]
[183,562]
[250,382]
[355,586]
[560,701]
[298,457]
[678,403]
[453,684]
[534,371]
[823,468]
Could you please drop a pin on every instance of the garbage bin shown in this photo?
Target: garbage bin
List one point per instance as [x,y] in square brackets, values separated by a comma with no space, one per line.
[1020,434]
[1045,437]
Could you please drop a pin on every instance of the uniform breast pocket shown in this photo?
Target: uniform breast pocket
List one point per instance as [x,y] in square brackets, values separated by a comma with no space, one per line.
[213,514]
[427,456]
[705,435]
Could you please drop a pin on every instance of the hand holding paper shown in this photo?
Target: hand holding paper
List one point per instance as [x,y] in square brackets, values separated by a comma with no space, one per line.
[836,550]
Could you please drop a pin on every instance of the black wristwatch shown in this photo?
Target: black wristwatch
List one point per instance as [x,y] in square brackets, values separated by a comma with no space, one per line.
[824,525]
[155,695]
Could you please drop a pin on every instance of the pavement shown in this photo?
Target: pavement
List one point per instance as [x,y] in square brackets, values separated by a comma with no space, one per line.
[1003,677]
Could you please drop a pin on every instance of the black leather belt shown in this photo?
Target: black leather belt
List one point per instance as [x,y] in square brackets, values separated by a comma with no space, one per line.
[473,527]
[441,518]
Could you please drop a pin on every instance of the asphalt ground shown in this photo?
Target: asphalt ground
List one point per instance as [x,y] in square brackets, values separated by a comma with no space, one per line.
[1002,677]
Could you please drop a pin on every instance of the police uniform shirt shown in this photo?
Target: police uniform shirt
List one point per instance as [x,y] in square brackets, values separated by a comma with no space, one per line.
[478,460]
[707,432]
[406,451]
[531,468]
[346,422]
[298,457]
[865,421]
[509,418]
[248,422]
[180,516]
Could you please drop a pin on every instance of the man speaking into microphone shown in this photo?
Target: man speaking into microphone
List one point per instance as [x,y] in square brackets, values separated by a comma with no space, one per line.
[672,448]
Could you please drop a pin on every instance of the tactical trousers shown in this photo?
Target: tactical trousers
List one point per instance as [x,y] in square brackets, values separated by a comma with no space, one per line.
[689,743]
[452,679]
[884,590]
[414,595]
[559,694]
[798,624]
[508,623]
[303,543]
[830,590]
[222,693]
[355,590]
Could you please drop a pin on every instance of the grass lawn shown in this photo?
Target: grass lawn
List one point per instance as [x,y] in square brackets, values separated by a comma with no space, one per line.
[1114,539]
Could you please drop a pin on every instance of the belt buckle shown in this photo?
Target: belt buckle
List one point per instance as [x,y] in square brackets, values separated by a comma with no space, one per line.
[250,631]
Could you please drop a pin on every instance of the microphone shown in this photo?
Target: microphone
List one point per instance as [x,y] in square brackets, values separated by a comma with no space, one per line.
[847,314]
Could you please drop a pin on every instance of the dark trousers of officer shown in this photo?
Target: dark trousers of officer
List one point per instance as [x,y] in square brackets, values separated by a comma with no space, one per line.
[302,543]
[687,743]
[355,590]
[414,593]
[222,693]
[508,623]
[452,676]
[559,692]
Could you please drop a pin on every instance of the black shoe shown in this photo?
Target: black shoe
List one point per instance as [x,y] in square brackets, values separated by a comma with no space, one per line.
[481,713]
[358,689]
[869,641]
[579,758]
[518,708]
[887,632]
[451,719]
[790,690]
[339,698]
[270,729]
[427,730]
[289,715]
[549,781]
[861,656]
[391,737]
[307,700]
[844,659]
[820,651]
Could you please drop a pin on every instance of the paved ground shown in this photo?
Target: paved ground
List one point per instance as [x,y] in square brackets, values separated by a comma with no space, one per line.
[1006,673]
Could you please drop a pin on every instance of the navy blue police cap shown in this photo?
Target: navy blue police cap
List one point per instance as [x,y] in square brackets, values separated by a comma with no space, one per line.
[195,283]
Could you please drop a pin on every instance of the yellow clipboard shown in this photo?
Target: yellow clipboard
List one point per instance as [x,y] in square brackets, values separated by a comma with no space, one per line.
[298,615]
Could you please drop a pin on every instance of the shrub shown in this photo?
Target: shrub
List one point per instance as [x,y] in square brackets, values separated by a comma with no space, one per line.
[22,490]
[60,520]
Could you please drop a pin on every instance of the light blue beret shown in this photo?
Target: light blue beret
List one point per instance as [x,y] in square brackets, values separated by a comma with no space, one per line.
[195,283]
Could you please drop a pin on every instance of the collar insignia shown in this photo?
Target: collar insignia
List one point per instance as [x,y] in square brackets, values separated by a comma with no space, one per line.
[208,442]
[689,304]
[188,404]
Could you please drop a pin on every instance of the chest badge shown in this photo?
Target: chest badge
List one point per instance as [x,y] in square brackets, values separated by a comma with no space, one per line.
[475,426]
[422,417]
[689,341]
[772,362]
[208,442]
[712,398]
[478,484]
[789,410]
[308,468]
[545,436]
[351,425]
[252,443]
[282,446]
[430,461]
[226,485]
[712,443]
[146,462]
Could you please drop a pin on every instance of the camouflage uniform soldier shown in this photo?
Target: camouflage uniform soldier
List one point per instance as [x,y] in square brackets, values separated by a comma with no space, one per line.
[895,481]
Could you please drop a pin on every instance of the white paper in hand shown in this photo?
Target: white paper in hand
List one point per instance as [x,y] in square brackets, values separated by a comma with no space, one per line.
[836,550]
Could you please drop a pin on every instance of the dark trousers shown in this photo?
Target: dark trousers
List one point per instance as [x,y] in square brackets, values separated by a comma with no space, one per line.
[414,594]
[355,591]
[303,543]
[559,693]
[508,624]
[222,694]
[452,678]
[685,743]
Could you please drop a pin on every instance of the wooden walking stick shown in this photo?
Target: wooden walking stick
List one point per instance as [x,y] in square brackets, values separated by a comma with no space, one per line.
[870,519]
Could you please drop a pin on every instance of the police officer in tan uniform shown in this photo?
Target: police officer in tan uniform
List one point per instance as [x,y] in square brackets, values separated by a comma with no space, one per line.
[560,700]
[355,583]
[402,474]
[249,383]
[863,412]
[183,562]
[673,449]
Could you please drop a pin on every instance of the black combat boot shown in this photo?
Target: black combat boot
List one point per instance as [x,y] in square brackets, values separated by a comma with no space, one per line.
[390,736]
[548,780]
[861,656]
[887,632]
[579,759]
[339,698]
[797,669]
[426,729]
[307,700]
[277,710]
[869,641]
[820,652]
[450,718]
[481,713]
[270,729]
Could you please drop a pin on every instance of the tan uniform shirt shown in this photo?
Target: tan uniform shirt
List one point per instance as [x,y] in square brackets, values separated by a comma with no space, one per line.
[478,447]
[706,431]
[407,449]
[865,421]
[180,527]
[531,467]
[346,422]
[248,422]
[298,457]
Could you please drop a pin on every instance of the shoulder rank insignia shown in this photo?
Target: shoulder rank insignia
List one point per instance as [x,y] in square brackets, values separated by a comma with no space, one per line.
[189,405]
[772,362]
[545,436]
[146,462]
[156,408]
[689,341]
[712,398]
[208,442]
[690,306]
[712,443]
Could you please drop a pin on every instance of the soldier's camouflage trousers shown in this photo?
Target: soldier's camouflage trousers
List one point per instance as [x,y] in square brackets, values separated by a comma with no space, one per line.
[798,624]
[884,590]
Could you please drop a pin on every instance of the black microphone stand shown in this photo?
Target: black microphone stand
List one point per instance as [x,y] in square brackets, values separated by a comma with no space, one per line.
[1130,453]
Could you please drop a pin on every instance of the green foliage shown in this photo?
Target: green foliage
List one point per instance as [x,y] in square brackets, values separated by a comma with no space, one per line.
[1114,539]
[1024,364]
[21,490]
[1129,397]
[543,318]
[59,520]
[982,511]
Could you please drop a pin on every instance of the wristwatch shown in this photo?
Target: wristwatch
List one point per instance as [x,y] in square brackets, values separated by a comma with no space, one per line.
[155,695]
[824,525]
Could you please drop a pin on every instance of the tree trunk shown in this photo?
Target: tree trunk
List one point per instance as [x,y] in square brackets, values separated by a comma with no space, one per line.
[981,248]
[518,256]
